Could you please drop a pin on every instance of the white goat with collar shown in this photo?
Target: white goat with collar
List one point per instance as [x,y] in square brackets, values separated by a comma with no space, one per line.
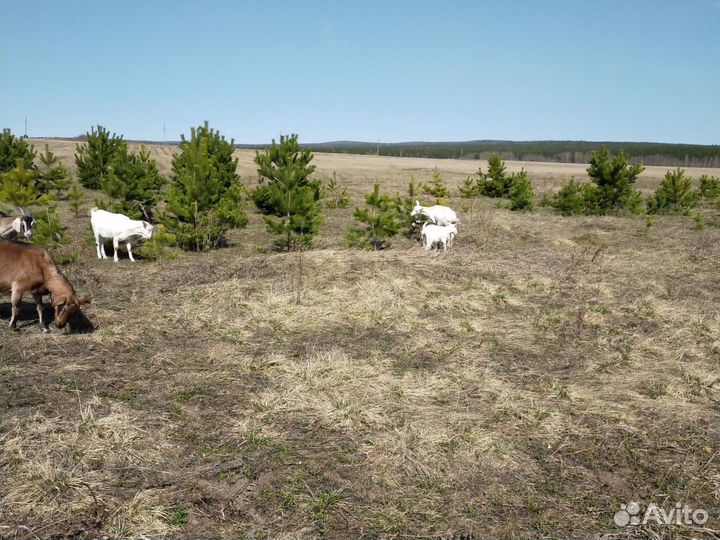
[438,214]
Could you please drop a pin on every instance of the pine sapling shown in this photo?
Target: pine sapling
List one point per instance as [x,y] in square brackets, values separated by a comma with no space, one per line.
[436,187]
[380,220]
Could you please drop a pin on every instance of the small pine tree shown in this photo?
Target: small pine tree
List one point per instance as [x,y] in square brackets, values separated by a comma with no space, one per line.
[436,187]
[497,182]
[204,196]
[94,158]
[470,186]
[49,231]
[614,178]
[413,190]
[381,221]
[521,193]
[576,198]
[709,186]
[287,194]
[13,149]
[497,173]
[404,206]
[334,195]
[159,246]
[494,183]
[53,176]
[699,220]
[674,195]
[76,198]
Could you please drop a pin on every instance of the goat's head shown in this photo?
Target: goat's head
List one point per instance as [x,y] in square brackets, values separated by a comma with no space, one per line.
[28,222]
[147,230]
[417,210]
[66,306]
[24,224]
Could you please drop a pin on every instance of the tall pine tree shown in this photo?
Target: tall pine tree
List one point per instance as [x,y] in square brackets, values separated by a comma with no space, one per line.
[19,187]
[94,158]
[134,183]
[13,149]
[53,176]
[614,178]
[287,194]
[205,194]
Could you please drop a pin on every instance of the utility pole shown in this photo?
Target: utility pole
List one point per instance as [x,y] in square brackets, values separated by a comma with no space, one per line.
[26,126]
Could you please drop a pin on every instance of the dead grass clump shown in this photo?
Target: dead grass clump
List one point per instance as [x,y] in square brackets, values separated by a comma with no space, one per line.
[59,471]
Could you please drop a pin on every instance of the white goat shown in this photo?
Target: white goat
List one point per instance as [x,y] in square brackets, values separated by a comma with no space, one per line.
[438,214]
[118,227]
[438,234]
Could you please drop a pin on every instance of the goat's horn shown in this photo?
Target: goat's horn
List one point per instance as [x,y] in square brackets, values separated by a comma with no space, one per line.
[22,212]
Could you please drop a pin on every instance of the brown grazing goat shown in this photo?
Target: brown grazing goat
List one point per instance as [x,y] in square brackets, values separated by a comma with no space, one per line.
[27,268]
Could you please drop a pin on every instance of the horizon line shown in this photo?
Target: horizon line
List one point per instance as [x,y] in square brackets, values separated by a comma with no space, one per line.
[407,142]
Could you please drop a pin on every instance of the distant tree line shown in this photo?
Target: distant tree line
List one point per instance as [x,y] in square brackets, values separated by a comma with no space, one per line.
[660,154]
[675,155]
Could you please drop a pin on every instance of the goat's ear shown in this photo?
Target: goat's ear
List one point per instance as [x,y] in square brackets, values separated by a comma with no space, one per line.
[417,203]
[58,301]
[84,300]
[147,225]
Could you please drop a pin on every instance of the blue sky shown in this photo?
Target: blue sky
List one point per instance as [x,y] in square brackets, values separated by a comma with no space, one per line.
[622,70]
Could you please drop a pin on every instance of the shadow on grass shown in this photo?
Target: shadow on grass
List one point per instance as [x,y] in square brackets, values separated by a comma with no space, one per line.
[27,317]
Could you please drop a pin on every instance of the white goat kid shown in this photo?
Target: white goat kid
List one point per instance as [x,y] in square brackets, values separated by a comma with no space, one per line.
[438,234]
[120,228]
[438,214]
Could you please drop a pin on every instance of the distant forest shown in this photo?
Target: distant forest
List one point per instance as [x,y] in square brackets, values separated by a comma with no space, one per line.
[662,154]
[680,155]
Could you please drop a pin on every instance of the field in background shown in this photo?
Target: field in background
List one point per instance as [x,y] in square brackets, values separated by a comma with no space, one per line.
[688,155]
[525,384]
[359,171]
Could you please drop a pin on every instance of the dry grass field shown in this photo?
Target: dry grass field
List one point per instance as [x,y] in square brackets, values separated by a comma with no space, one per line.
[527,383]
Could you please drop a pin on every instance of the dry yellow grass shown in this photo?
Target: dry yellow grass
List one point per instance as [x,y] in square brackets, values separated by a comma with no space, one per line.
[525,384]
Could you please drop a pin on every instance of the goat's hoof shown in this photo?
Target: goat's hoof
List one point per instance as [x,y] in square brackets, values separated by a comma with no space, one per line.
[45,329]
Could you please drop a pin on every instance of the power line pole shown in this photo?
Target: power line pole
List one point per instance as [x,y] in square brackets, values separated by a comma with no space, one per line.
[26,126]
